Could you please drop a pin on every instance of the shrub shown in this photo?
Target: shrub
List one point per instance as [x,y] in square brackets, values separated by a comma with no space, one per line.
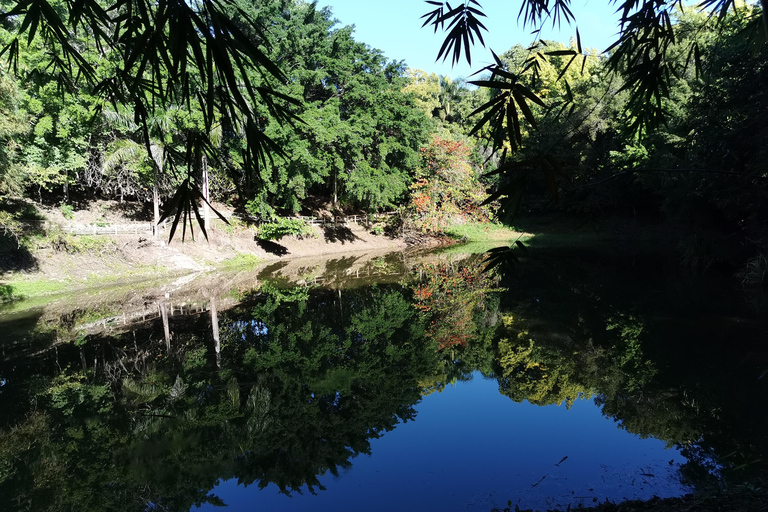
[68,211]
[284,227]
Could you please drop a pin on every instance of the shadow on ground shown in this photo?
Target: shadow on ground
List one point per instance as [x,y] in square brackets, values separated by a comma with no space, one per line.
[272,247]
[15,258]
[141,212]
[341,234]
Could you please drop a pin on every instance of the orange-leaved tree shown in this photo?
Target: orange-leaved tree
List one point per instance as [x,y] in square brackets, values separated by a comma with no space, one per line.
[447,190]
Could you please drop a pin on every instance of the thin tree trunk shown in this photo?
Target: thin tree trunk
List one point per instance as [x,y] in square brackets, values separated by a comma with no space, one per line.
[158,155]
[166,327]
[335,187]
[215,330]
[155,209]
[206,195]
[764,5]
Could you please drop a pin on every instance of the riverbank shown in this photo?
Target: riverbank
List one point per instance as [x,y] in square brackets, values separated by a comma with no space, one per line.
[59,262]
[55,262]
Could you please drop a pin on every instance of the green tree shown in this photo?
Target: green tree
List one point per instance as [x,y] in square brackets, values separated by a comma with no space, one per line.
[361,132]
[163,54]
[425,88]
[651,54]
[12,128]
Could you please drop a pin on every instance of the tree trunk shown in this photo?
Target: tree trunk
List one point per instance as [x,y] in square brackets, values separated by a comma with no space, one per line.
[215,330]
[155,210]
[206,195]
[166,326]
[158,155]
[335,187]
[764,5]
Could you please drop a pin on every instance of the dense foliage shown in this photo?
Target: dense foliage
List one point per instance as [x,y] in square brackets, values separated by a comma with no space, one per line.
[666,125]
[550,124]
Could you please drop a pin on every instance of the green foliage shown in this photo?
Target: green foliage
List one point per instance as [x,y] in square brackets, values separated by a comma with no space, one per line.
[285,227]
[448,297]
[242,260]
[7,293]
[195,359]
[425,89]
[70,393]
[13,127]
[359,144]
[68,211]
[179,55]
[11,228]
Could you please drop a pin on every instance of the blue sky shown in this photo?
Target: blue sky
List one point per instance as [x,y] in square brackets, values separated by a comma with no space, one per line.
[394,26]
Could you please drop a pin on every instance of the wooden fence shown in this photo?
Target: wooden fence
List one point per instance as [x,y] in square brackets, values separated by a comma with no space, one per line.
[133,228]
[145,228]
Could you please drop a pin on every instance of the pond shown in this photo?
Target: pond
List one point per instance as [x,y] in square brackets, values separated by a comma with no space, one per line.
[383,382]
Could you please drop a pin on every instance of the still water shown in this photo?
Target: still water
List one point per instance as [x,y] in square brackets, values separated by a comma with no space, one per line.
[473,449]
[384,382]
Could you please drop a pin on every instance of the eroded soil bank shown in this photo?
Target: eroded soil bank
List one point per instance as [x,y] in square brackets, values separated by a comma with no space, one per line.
[69,262]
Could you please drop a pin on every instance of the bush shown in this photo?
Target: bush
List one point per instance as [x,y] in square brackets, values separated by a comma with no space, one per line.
[284,227]
[68,211]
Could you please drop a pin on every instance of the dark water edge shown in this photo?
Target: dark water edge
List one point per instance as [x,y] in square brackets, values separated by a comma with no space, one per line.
[666,355]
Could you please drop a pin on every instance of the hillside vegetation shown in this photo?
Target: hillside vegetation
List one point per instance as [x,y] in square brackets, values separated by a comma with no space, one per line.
[370,135]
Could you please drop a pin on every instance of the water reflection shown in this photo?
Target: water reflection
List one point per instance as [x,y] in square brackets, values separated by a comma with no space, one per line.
[472,449]
[271,380]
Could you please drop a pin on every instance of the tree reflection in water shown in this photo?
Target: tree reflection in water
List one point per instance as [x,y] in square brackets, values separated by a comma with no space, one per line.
[292,383]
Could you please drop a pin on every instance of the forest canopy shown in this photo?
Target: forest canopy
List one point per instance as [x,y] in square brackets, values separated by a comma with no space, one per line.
[282,108]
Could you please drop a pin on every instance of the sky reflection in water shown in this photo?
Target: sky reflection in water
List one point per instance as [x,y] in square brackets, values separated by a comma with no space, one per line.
[471,448]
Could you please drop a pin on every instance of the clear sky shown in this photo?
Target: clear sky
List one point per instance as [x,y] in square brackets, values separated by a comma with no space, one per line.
[394,26]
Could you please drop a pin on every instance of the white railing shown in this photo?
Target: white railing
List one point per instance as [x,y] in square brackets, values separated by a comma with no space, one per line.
[138,228]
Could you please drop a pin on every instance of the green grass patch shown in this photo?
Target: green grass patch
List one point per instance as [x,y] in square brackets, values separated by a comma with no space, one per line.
[22,290]
[242,259]
[482,232]
[468,248]
[87,243]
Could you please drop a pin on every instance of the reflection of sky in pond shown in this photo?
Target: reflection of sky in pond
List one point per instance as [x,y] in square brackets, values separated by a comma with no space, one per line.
[471,448]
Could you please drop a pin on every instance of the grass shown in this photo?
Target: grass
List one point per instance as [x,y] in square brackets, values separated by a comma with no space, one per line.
[470,248]
[64,242]
[36,288]
[482,232]
[33,291]
[241,260]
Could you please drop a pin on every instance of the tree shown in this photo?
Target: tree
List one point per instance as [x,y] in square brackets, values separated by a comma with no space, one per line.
[12,127]
[425,88]
[640,53]
[643,55]
[361,133]
[164,129]
[162,54]
[446,189]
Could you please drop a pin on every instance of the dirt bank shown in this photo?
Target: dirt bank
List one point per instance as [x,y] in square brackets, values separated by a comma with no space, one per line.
[81,258]
[62,261]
